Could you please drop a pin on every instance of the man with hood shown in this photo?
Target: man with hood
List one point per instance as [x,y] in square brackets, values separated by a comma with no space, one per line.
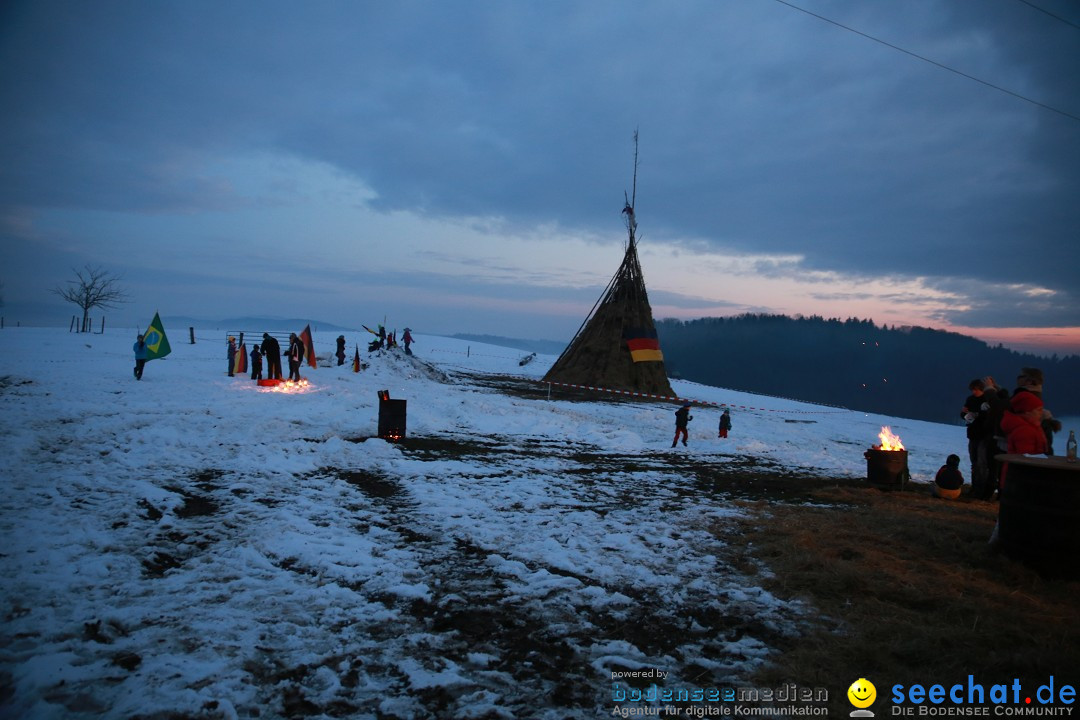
[272,352]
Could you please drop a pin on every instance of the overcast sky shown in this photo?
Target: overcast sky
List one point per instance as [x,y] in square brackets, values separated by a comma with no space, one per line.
[461,166]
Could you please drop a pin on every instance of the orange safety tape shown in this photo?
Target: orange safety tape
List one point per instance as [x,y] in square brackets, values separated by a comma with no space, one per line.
[672,398]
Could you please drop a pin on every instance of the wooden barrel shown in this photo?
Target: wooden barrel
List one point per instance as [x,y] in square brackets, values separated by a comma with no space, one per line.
[1039,514]
[887,469]
[392,419]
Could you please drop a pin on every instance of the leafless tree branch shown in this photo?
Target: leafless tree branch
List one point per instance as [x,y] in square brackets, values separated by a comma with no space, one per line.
[92,287]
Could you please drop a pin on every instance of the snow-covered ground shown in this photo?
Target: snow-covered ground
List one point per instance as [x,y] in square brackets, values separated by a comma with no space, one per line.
[192,544]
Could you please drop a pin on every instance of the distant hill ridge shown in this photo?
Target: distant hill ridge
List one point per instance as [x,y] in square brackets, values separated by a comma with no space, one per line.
[262,324]
[909,372]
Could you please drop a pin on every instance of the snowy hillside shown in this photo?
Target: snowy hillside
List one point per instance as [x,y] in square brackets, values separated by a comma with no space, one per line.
[193,544]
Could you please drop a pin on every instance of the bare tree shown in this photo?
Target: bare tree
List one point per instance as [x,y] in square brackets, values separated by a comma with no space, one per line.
[91,288]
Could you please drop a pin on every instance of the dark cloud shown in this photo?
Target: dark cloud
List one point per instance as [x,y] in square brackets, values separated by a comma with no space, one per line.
[763,130]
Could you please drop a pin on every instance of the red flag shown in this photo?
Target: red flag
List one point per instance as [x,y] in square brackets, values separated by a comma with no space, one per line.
[356,360]
[309,348]
[240,363]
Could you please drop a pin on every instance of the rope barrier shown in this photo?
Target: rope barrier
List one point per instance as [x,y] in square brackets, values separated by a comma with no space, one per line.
[672,398]
[472,354]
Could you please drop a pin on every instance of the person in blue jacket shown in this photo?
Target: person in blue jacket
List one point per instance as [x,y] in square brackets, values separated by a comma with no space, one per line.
[140,356]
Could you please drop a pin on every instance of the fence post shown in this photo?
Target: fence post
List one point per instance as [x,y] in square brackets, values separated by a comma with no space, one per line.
[102,324]
[191,331]
[72,325]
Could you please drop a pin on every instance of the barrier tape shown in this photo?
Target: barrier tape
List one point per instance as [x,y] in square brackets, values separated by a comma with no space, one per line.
[672,398]
[472,354]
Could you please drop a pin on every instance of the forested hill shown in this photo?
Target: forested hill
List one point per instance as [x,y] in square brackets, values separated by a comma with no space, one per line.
[909,372]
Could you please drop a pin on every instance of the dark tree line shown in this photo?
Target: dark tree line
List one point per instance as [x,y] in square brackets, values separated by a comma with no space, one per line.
[907,372]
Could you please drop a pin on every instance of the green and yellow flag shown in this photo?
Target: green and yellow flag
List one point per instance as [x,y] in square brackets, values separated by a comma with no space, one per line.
[157,345]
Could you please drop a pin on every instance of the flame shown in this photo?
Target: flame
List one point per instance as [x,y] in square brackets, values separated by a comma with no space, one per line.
[291,386]
[889,440]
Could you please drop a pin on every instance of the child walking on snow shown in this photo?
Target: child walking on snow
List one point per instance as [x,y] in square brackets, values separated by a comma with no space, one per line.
[725,423]
[682,416]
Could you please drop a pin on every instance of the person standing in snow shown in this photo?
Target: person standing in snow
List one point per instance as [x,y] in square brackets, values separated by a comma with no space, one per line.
[296,356]
[140,356]
[231,352]
[682,417]
[272,352]
[407,339]
[256,363]
[725,423]
[340,350]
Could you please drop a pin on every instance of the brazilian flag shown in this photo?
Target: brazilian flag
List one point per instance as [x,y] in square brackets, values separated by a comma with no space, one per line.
[157,345]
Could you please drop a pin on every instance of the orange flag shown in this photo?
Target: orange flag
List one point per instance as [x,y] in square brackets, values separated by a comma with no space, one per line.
[356,360]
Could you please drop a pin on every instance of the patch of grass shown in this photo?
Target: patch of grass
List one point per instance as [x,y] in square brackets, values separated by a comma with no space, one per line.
[907,591]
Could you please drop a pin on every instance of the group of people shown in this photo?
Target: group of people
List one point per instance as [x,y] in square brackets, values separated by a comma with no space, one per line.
[388,340]
[683,417]
[270,349]
[999,422]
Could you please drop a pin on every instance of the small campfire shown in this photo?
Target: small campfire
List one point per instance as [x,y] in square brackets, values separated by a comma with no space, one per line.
[889,440]
[287,386]
[391,417]
[887,462]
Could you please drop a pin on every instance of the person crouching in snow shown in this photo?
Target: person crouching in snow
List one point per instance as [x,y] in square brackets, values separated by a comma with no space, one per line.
[682,416]
[949,480]
[725,423]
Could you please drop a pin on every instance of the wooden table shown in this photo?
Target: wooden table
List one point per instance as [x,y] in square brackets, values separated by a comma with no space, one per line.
[1039,515]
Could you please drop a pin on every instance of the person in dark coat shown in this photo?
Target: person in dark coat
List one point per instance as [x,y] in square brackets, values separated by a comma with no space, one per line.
[256,363]
[725,423]
[231,352]
[995,401]
[407,339]
[975,417]
[949,480]
[272,352]
[682,417]
[340,350]
[296,356]
[141,352]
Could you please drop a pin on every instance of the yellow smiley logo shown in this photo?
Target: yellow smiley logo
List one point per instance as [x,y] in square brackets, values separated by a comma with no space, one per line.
[862,693]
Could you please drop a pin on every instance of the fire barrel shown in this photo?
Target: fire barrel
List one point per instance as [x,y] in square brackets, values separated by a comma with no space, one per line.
[1039,514]
[887,469]
[392,419]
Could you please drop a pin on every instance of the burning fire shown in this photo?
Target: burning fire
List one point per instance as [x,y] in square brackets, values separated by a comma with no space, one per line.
[290,386]
[889,440]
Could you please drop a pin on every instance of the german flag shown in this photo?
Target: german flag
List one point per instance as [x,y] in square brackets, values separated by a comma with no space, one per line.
[309,347]
[356,360]
[240,362]
[643,344]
